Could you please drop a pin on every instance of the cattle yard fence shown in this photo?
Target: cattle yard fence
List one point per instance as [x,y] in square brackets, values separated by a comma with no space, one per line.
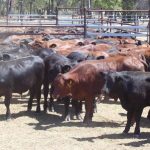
[91,22]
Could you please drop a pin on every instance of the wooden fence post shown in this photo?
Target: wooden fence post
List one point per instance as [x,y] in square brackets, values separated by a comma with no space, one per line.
[102,17]
[56,15]
[149,27]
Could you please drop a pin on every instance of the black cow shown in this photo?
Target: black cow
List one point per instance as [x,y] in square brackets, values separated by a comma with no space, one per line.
[133,90]
[78,56]
[43,52]
[21,75]
[54,65]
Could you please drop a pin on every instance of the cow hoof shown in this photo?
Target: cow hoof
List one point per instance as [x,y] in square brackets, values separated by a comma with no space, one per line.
[45,108]
[136,135]
[45,111]
[125,132]
[8,118]
[29,108]
[67,118]
[51,109]
[38,111]
[87,122]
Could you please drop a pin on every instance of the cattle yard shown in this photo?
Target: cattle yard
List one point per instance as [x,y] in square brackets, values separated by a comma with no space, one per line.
[94,35]
[91,22]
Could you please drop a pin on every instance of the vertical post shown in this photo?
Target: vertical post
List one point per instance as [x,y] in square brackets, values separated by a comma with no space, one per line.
[7,6]
[30,9]
[81,12]
[49,5]
[52,6]
[110,24]
[85,25]
[102,20]
[72,18]
[21,12]
[56,15]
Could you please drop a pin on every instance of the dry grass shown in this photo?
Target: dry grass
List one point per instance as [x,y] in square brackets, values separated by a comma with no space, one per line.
[47,131]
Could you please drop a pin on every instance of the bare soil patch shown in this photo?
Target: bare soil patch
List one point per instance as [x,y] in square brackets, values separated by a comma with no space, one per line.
[48,131]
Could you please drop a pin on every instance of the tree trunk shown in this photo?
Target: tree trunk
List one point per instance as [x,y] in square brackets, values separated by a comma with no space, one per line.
[52,6]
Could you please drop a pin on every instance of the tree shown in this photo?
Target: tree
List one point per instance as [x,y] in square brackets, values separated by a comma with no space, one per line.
[107,4]
[128,4]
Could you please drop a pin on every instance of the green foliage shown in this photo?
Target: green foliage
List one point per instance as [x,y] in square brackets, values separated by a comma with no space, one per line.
[43,5]
[107,4]
[128,4]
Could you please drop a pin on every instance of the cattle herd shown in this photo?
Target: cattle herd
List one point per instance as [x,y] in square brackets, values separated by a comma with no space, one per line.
[77,71]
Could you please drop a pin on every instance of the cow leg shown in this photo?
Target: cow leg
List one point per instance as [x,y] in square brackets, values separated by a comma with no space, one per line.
[67,111]
[38,95]
[129,120]
[77,104]
[137,120]
[94,106]
[51,101]
[32,93]
[148,116]
[133,119]
[7,104]
[46,90]
[89,111]
[80,107]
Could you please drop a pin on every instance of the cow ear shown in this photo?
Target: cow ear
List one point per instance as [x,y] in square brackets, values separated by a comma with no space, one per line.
[53,45]
[93,43]
[69,83]
[66,68]
[80,43]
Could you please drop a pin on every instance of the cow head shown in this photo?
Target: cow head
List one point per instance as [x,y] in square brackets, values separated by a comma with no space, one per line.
[62,86]
[36,44]
[112,83]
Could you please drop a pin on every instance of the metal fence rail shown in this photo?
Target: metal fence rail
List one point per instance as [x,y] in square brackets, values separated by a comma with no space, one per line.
[104,22]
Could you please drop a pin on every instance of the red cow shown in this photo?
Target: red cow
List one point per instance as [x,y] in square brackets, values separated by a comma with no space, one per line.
[84,81]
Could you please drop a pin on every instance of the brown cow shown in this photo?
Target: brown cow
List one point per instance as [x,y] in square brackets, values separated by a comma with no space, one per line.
[84,81]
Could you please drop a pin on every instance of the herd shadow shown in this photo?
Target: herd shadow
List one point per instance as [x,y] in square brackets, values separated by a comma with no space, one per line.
[51,120]
[141,141]
[47,121]
[145,123]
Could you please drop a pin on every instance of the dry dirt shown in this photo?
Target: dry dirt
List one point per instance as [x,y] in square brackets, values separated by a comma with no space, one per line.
[31,131]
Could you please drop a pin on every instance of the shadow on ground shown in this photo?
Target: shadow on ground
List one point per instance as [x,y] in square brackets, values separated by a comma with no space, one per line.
[145,123]
[142,140]
[52,120]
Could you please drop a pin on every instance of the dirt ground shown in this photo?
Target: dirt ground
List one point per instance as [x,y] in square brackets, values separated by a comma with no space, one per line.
[31,131]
